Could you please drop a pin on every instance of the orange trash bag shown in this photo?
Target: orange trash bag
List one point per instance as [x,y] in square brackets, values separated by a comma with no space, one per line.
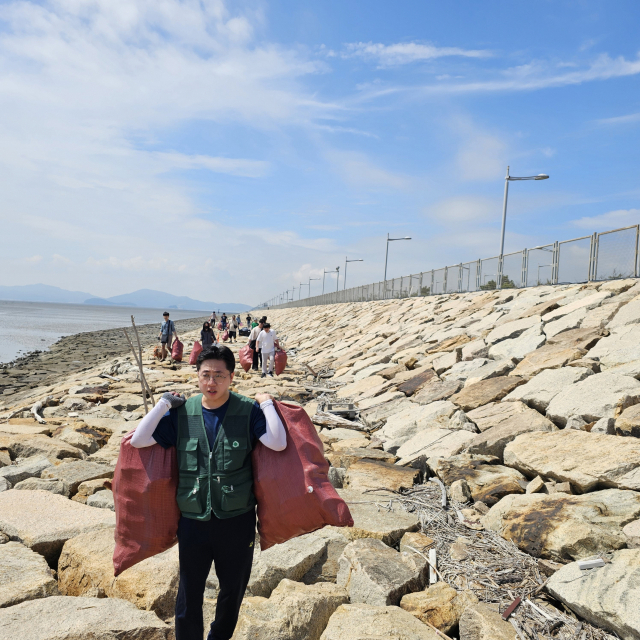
[245,355]
[144,487]
[281,361]
[177,350]
[292,487]
[195,352]
[157,353]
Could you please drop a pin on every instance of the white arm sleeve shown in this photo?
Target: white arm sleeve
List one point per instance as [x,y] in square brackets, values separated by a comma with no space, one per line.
[276,437]
[143,435]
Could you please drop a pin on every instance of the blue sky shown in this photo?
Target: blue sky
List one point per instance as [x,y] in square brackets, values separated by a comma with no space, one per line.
[232,150]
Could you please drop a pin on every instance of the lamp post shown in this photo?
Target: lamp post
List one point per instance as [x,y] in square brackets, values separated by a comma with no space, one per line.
[310,279]
[324,273]
[507,180]
[346,261]
[300,289]
[386,260]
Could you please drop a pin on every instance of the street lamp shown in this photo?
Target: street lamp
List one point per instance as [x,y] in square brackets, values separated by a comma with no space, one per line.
[507,180]
[386,259]
[346,261]
[324,273]
[310,279]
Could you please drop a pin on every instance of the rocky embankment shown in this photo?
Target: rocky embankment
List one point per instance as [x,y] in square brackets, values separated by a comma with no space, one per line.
[495,449]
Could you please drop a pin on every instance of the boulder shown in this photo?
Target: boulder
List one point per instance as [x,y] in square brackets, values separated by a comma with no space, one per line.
[326,567]
[417,382]
[25,575]
[375,400]
[479,622]
[517,348]
[76,438]
[437,390]
[85,568]
[440,605]
[372,474]
[74,473]
[110,452]
[126,402]
[29,468]
[388,525]
[27,446]
[628,423]
[355,389]
[546,385]
[346,457]
[413,541]
[570,321]
[512,329]
[563,527]
[628,314]
[4,485]
[294,611]
[447,360]
[587,460]
[462,370]
[351,443]
[552,355]
[101,500]
[432,443]
[603,395]
[475,349]
[486,391]
[606,597]
[44,521]
[487,481]
[586,303]
[30,429]
[493,369]
[38,484]
[367,622]
[81,618]
[621,347]
[373,573]
[632,532]
[330,436]
[606,426]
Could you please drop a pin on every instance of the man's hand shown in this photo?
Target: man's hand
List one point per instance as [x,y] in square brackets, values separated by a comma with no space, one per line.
[174,399]
[263,397]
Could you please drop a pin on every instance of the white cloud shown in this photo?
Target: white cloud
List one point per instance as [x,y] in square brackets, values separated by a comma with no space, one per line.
[465,209]
[609,220]
[406,52]
[358,170]
[630,118]
[481,155]
[231,166]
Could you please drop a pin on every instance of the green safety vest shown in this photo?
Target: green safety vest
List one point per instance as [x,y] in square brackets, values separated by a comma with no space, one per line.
[218,479]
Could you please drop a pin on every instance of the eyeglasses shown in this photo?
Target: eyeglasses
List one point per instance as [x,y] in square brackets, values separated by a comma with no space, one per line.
[216,377]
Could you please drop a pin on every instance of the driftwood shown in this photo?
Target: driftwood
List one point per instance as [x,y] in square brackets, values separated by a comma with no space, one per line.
[138,358]
[326,419]
[153,400]
[38,406]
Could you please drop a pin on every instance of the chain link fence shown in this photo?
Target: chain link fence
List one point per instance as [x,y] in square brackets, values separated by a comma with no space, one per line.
[608,255]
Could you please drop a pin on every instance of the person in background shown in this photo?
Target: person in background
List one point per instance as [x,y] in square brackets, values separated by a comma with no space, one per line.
[252,342]
[254,323]
[233,329]
[267,343]
[248,318]
[213,318]
[215,495]
[207,336]
[239,321]
[223,320]
[167,331]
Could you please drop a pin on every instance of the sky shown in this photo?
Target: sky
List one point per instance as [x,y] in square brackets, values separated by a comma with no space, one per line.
[232,150]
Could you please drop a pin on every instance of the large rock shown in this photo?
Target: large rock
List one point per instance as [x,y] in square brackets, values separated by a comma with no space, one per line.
[27,446]
[481,393]
[512,329]
[493,369]
[110,452]
[628,314]
[373,573]
[346,457]
[38,484]
[44,521]
[437,390]
[587,460]
[628,424]
[621,347]
[74,473]
[502,422]
[432,443]
[517,348]
[462,370]
[86,568]
[607,597]
[61,617]
[356,389]
[126,402]
[544,387]
[24,575]
[367,622]
[294,611]
[563,527]
[29,468]
[101,500]
[417,382]
[440,605]
[371,474]
[326,568]
[479,622]
[388,525]
[552,355]
[604,395]
[488,482]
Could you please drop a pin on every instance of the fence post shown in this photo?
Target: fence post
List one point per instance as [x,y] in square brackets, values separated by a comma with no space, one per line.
[422,273]
[637,238]
[444,284]
[525,267]
[592,256]
[432,277]
[555,267]
[460,278]
[500,271]
[478,274]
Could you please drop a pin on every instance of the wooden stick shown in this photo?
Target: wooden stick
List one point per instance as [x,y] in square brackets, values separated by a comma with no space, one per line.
[438,632]
[37,406]
[144,391]
[153,400]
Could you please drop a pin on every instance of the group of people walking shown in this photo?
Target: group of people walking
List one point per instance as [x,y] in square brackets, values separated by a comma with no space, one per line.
[264,342]
[227,324]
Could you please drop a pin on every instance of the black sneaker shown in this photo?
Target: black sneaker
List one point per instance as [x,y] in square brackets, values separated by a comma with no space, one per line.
[271,373]
[264,375]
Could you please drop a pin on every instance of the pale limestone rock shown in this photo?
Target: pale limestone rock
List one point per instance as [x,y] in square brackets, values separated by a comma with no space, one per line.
[513,329]
[74,473]
[433,443]
[606,597]
[414,541]
[126,402]
[570,321]
[38,484]
[437,390]
[605,426]
[370,403]
[493,369]
[479,622]
[628,423]
[489,390]
[368,474]
[587,460]
[632,533]
[462,370]
[101,500]
[628,314]
[24,575]
[564,527]
[621,347]
[27,446]
[517,348]
[586,302]
[29,468]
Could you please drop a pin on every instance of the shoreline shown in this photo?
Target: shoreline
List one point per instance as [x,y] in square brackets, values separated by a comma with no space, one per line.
[76,353]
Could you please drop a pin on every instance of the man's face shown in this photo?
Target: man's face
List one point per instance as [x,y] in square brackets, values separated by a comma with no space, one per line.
[165,318]
[267,329]
[214,379]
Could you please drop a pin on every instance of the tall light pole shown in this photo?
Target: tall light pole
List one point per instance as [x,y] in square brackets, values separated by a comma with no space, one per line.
[324,273]
[346,261]
[310,279]
[386,259]
[507,180]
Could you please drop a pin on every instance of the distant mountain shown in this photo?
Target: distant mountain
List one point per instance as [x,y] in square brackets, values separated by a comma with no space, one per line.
[141,298]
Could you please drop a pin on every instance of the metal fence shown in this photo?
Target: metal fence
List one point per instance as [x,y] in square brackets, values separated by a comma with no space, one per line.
[608,255]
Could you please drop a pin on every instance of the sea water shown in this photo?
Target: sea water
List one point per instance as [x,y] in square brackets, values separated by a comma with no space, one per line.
[27,326]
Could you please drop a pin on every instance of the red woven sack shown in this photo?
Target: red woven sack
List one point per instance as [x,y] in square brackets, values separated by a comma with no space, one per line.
[219,326]
[245,355]
[177,350]
[292,488]
[281,361]
[225,336]
[195,352]
[144,492]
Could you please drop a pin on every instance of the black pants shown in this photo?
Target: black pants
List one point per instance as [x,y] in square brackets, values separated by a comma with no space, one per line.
[257,355]
[228,543]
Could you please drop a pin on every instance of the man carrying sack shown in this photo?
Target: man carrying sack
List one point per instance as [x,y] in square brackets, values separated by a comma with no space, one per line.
[214,433]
